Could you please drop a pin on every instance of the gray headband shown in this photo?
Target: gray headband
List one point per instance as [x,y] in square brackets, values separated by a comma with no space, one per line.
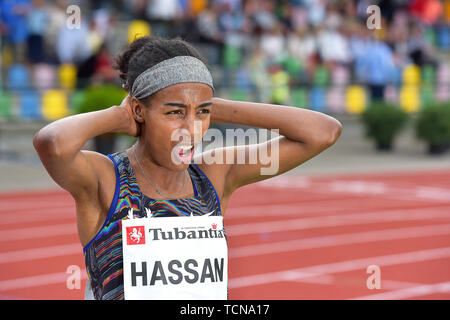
[169,72]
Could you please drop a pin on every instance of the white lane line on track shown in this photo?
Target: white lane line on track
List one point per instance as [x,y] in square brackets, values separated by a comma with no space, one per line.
[338,267]
[38,232]
[259,249]
[40,253]
[359,187]
[339,240]
[6,206]
[35,281]
[335,220]
[407,293]
[267,278]
[11,234]
[331,279]
[298,210]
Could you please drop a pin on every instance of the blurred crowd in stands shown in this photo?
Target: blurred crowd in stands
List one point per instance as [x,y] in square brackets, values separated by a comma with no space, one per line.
[302,52]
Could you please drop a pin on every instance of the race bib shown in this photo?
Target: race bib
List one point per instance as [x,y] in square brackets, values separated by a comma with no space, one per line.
[175,258]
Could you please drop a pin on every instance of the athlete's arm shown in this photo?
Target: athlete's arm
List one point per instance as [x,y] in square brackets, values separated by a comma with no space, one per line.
[303,135]
[82,172]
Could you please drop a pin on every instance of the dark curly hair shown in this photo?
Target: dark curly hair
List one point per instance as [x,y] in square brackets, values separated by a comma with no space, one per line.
[147,51]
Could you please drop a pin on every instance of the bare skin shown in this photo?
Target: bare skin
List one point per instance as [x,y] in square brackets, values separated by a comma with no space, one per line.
[90,176]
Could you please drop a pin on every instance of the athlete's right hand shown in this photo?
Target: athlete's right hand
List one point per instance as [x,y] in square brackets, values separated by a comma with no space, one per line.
[131,126]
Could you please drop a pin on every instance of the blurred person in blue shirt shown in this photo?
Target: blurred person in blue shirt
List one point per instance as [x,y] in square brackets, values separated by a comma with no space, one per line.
[374,67]
[37,21]
[13,25]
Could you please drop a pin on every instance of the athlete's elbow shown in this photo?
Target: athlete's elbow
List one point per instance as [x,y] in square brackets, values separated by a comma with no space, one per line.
[46,143]
[334,132]
[330,134]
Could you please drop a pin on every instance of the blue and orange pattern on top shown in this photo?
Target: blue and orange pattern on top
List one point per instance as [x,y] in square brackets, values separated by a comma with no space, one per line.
[103,254]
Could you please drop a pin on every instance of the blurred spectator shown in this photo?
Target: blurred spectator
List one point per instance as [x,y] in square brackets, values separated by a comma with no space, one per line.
[207,26]
[103,70]
[333,45]
[230,20]
[261,16]
[259,75]
[358,40]
[14,25]
[273,42]
[56,20]
[301,44]
[427,10]
[72,45]
[375,67]
[418,48]
[265,45]
[316,11]
[37,19]
[161,14]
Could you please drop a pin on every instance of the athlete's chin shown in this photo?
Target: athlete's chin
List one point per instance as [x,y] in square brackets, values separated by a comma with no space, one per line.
[177,165]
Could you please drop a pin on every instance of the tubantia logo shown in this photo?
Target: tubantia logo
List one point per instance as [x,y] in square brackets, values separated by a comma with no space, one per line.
[135,235]
[214,226]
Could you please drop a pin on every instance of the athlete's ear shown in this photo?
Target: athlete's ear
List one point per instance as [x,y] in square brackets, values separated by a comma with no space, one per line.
[137,108]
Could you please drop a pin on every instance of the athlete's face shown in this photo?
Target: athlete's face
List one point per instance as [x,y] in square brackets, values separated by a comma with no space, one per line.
[176,118]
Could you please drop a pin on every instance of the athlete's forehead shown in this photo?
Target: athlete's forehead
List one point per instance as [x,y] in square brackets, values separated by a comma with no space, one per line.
[190,93]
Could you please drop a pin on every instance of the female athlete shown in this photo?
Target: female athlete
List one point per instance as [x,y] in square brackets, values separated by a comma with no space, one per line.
[129,252]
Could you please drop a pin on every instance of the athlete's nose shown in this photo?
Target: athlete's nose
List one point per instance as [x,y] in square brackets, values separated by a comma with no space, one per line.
[192,128]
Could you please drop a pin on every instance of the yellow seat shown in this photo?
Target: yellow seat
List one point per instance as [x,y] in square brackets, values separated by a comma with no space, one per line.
[411,75]
[410,98]
[198,6]
[6,56]
[54,105]
[67,76]
[355,99]
[280,87]
[137,29]
[447,10]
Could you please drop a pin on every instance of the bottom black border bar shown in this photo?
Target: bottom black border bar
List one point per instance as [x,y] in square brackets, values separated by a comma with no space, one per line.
[232,309]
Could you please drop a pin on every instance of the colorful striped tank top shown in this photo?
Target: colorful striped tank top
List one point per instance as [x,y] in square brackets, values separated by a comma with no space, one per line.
[103,254]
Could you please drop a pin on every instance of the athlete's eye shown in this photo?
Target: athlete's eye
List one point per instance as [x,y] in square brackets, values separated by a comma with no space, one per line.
[174,112]
[205,111]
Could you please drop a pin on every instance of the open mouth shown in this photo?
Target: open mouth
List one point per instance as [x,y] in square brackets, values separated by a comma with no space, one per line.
[185,152]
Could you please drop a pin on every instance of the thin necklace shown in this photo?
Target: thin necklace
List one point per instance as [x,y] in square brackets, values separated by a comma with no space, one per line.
[157,190]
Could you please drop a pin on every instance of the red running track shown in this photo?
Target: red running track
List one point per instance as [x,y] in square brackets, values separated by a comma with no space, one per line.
[290,237]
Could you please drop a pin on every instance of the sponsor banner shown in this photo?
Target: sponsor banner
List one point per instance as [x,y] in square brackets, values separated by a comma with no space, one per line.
[176,258]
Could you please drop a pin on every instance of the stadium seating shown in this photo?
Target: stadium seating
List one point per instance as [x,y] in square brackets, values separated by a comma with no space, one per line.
[299,98]
[410,98]
[67,76]
[231,56]
[138,28]
[75,98]
[391,94]
[340,75]
[44,76]
[317,99]
[335,99]
[427,95]
[428,74]
[30,105]
[5,105]
[321,76]
[54,104]
[411,75]
[444,37]
[18,77]
[443,92]
[355,99]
